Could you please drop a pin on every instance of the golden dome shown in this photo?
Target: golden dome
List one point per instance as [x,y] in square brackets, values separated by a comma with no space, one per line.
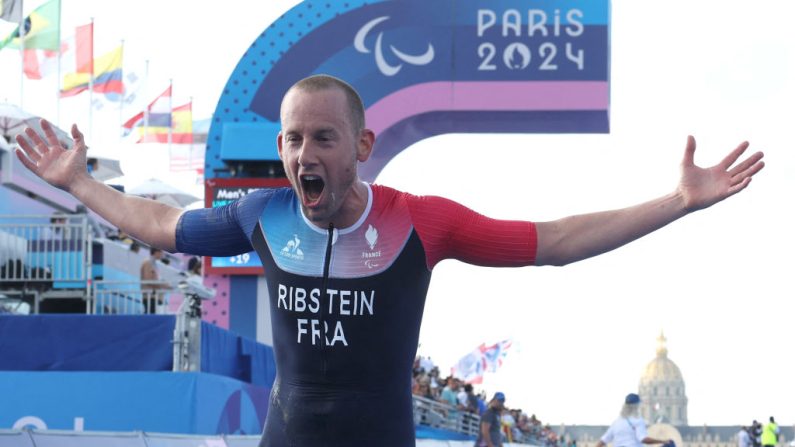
[661,369]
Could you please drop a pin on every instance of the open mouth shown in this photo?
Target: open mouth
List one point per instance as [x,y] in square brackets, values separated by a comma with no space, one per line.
[312,186]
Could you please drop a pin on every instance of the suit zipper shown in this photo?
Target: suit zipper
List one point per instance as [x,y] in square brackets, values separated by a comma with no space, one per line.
[326,268]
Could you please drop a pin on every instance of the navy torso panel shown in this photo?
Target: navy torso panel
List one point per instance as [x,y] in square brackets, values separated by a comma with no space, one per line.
[346,308]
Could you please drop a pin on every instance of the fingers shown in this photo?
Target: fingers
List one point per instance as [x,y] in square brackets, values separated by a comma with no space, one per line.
[77,136]
[30,151]
[745,164]
[25,160]
[690,150]
[748,173]
[733,155]
[36,140]
[49,133]
[734,189]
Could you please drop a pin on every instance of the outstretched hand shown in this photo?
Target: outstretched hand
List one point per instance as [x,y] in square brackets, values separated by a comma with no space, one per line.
[703,187]
[49,159]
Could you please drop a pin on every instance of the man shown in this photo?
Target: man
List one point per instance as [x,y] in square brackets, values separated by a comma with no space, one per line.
[756,432]
[469,401]
[770,433]
[450,397]
[629,429]
[357,284]
[490,434]
[744,438]
[150,281]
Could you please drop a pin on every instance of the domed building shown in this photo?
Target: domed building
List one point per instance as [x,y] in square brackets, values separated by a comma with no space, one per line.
[662,390]
[664,407]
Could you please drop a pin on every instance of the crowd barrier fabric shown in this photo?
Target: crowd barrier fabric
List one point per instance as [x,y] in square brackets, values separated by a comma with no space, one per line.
[166,402]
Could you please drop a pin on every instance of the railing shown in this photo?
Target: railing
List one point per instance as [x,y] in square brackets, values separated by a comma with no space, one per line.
[130,297]
[45,249]
[439,415]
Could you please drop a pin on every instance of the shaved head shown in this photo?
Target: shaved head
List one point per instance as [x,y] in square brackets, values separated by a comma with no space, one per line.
[326,82]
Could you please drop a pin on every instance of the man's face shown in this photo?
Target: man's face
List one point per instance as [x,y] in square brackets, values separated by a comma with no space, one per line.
[319,149]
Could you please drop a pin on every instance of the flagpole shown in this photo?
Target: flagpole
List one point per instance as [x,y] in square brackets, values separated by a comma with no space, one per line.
[58,80]
[22,34]
[123,95]
[190,146]
[170,113]
[146,108]
[91,89]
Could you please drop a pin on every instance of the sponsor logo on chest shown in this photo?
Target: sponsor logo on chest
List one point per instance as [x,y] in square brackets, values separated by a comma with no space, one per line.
[291,249]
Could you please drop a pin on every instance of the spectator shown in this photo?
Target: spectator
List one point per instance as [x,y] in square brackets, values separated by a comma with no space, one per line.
[150,293]
[482,406]
[194,266]
[435,385]
[490,434]
[423,388]
[756,433]
[471,402]
[427,364]
[508,423]
[629,429]
[450,397]
[744,438]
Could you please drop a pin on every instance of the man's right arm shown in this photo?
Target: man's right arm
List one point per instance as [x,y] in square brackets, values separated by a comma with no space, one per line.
[151,222]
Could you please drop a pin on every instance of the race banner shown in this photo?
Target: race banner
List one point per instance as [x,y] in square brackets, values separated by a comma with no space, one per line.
[425,68]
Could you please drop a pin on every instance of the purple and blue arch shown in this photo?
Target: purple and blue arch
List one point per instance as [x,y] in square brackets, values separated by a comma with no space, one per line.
[424,68]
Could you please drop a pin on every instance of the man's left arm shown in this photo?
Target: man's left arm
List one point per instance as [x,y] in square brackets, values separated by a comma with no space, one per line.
[574,238]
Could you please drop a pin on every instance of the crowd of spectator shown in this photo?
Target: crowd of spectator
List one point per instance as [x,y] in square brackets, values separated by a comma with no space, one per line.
[462,400]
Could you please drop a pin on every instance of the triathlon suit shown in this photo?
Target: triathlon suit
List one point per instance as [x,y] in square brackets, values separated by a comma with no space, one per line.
[346,304]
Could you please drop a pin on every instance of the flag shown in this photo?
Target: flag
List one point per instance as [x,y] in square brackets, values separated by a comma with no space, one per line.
[133,123]
[495,354]
[11,10]
[107,76]
[40,30]
[190,157]
[180,121]
[75,51]
[132,87]
[158,120]
[483,359]
[38,64]
[108,72]
[471,367]
[77,55]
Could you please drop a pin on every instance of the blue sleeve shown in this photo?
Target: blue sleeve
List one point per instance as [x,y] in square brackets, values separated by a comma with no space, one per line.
[221,231]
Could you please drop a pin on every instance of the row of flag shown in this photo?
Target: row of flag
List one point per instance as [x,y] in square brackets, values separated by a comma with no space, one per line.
[474,365]
[44,52]
[160,120]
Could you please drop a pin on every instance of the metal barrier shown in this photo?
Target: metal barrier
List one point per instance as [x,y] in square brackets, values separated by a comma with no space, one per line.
[45,257]
[439,415]
[50,249]
[130,297]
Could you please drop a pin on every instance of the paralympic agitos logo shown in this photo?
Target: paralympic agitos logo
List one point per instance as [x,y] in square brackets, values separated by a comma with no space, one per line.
[383,66]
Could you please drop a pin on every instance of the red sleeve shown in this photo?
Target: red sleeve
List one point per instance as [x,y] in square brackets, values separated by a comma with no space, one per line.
[450,230]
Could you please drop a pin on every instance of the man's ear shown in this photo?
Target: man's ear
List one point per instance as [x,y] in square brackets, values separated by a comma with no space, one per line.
[279,141]
[364,146]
